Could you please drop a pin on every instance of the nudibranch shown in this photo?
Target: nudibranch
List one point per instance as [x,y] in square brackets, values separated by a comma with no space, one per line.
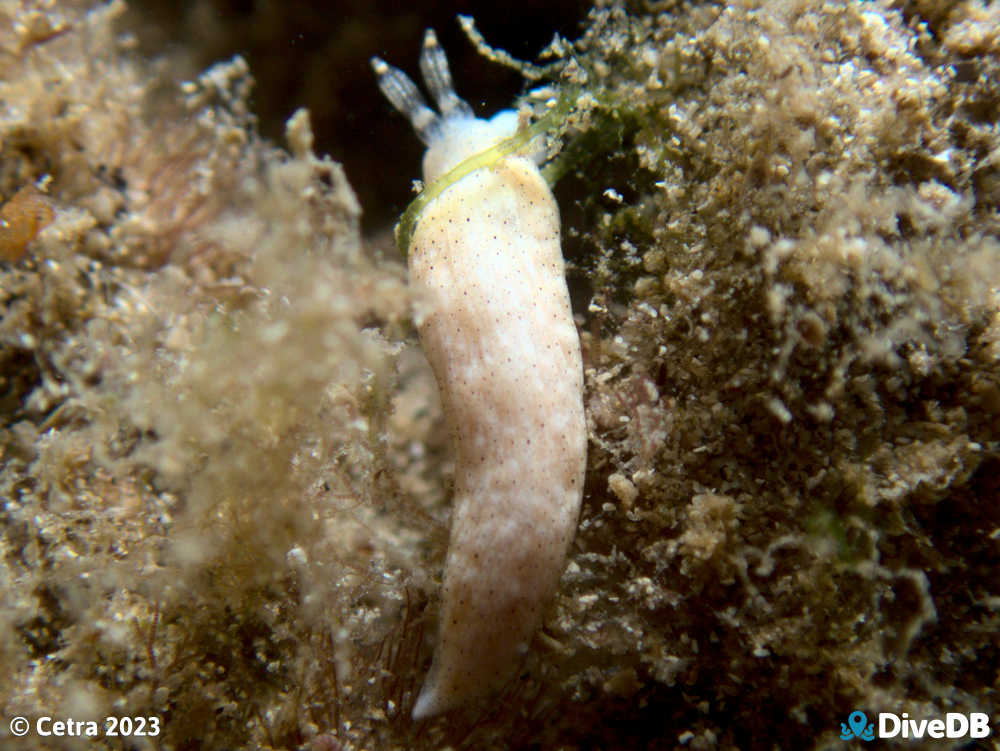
[494,317]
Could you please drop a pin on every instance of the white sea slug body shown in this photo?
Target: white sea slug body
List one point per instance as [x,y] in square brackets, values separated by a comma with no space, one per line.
[494,316]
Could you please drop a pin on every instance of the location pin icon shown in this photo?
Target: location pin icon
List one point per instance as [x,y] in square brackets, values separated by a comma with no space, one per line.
[857,721]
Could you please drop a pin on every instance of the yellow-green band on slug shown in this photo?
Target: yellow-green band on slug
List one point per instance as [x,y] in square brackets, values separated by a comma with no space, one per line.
[547,123]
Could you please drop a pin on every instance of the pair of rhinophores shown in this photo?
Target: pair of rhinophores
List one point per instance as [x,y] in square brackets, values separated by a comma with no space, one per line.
[493,312]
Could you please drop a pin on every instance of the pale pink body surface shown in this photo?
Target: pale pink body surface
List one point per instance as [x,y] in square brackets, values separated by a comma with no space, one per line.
[494,317]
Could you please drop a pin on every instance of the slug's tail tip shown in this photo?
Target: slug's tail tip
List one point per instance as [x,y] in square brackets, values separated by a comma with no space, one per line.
[426,703]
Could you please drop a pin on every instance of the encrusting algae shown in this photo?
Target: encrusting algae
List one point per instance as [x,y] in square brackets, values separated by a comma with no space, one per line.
[224,471]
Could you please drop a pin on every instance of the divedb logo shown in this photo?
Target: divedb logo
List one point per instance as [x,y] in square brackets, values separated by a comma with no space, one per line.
[890,725]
